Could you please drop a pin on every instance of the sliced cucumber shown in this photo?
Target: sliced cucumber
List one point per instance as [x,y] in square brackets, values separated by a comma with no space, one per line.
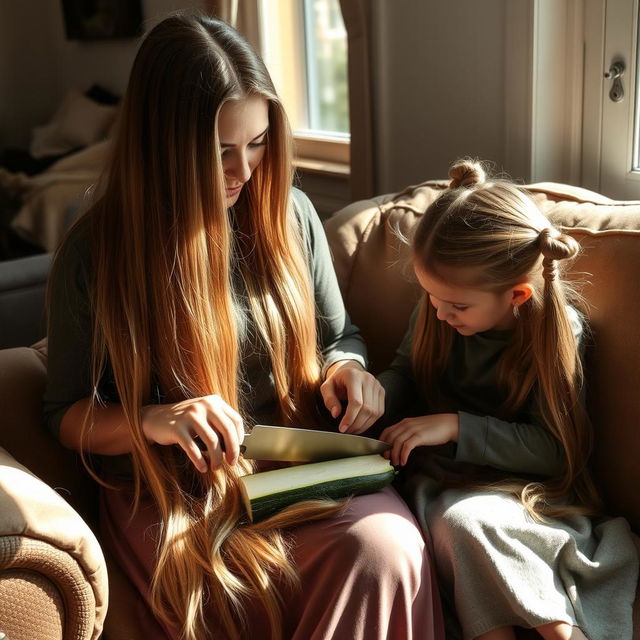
[268,492]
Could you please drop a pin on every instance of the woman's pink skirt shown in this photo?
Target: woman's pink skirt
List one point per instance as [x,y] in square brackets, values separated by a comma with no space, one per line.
[365,574]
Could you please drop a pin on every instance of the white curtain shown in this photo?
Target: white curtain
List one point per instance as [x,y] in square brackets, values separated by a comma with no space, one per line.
[244,15]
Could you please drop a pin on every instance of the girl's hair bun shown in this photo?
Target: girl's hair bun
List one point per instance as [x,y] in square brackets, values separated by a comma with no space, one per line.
[465,173]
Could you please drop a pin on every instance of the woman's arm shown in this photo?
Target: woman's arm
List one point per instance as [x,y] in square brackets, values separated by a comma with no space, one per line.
[69,331]
[339,338]
[206,424]
[108,435]
[343,349]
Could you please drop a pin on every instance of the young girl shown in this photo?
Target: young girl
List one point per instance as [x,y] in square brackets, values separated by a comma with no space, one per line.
[497,450]
[182,308]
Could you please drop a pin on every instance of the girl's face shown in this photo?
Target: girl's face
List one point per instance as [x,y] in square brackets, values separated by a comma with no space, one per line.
[242,131]
[470,311]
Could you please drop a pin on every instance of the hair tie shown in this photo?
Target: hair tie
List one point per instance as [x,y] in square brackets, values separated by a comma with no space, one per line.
[555,245]
[549,269]
[547,235]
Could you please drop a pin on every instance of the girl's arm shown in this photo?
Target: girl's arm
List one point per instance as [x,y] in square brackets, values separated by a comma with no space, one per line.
[520,447]
[510,446]
[482,440]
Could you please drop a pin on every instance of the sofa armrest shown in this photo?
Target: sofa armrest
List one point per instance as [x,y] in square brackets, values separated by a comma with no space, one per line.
[49,555]
[23,284]
[23,377]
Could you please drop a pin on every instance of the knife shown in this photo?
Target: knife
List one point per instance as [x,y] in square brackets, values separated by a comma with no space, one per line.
[266,442]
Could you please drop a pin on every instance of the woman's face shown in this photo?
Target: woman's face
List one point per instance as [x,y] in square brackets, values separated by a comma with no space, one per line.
[242,131]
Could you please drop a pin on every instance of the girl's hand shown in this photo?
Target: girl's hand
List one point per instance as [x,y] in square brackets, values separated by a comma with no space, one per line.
[210,418]
[410,433]
[347,380]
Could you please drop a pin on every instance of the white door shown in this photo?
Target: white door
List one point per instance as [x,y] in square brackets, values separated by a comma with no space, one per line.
[611,157]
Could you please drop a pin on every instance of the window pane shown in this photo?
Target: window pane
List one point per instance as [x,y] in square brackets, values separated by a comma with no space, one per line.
[327,87]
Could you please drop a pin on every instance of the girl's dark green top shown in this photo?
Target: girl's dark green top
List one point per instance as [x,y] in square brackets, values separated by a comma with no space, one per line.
[470,382]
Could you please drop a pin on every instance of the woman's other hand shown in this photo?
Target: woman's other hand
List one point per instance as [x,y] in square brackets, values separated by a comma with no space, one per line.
[346,380]
[410,433]
[210,419]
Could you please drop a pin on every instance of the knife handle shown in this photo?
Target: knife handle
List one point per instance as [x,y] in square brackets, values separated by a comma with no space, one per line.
[201,445]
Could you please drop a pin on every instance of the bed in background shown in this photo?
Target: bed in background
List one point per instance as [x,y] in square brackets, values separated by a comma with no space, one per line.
[43,191]
[53,199]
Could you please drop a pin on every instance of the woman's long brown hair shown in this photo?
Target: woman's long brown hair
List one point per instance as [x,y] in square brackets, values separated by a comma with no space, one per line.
[164,250]
[490,235]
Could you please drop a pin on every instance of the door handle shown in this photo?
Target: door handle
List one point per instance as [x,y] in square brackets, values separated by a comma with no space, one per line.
[616,71]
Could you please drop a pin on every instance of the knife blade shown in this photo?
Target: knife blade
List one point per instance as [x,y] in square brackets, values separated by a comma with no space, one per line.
[267,442]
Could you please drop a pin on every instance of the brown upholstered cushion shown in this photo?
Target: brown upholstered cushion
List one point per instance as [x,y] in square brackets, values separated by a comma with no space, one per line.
[22,433]
[380,291]
[22,379]
[64,548]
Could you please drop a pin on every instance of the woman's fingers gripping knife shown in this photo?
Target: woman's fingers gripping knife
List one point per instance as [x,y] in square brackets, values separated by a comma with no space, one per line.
[365,403]
[222,431]
[208,421]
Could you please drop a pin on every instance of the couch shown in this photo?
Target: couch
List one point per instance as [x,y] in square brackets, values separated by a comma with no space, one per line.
[22,297]
[53,570]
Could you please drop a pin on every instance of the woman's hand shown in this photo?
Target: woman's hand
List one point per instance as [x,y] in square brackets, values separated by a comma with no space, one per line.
[217,424]
[410,433]
[347,380]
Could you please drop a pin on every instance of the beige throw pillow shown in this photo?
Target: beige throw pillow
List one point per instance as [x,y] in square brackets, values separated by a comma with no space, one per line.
[78,122]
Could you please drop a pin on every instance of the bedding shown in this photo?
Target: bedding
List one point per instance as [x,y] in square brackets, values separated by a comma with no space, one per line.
[53,199]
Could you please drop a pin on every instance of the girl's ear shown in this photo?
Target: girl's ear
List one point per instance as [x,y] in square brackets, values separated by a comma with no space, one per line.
[521,293]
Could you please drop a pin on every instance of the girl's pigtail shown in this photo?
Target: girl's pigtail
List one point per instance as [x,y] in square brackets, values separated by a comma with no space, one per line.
[560,375]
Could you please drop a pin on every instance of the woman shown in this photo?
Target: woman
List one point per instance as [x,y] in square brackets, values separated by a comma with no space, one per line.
[183,306]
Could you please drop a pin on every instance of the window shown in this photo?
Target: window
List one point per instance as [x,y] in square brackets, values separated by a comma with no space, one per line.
[304,45]
[326,57]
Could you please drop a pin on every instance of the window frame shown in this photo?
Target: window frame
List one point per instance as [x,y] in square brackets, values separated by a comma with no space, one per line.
[282,32]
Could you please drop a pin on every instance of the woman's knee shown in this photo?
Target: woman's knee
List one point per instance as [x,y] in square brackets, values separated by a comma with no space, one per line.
[388,542]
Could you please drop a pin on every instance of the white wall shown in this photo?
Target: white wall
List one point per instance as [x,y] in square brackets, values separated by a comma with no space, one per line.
[28,67]
[440,90]
[450,80]
[38,64]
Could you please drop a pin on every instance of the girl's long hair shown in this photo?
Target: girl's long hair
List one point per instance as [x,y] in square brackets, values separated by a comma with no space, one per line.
[165,254]
[492,236]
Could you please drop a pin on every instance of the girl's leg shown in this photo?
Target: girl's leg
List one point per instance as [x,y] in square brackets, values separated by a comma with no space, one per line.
[560,631]
[551,631]
[503,633]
